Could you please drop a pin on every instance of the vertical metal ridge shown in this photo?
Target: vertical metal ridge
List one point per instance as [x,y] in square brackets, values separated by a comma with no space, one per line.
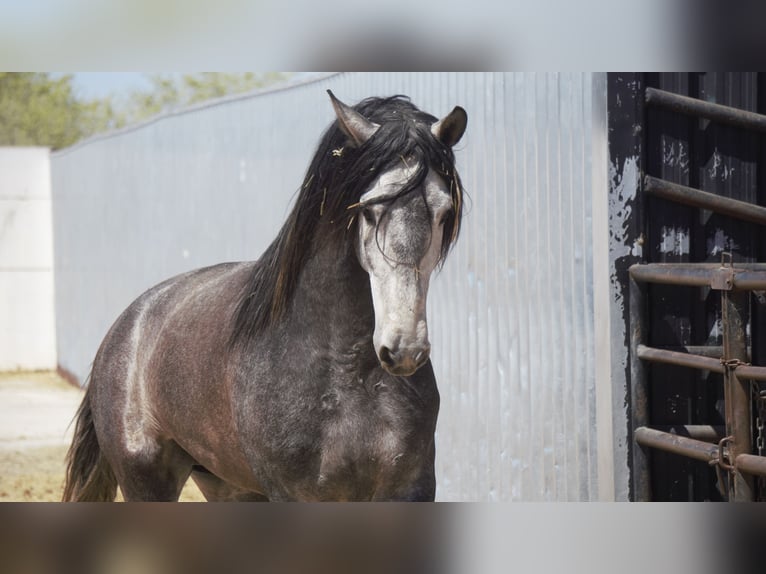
[587,284]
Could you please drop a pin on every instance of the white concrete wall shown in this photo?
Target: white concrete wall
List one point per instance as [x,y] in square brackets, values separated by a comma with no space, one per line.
[27,318]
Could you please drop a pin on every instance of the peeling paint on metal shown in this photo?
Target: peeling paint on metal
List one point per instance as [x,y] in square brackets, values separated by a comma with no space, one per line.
[675,154]
[675,241]
[720,243]
[624,186]
[719,170]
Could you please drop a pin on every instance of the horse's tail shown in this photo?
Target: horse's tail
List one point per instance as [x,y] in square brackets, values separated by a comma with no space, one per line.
[89,478]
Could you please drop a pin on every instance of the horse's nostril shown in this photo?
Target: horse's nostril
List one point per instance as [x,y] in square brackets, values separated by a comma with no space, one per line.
[403,361]
[385,356]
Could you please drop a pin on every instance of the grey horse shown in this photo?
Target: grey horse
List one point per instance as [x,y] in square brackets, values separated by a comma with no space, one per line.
[304,375]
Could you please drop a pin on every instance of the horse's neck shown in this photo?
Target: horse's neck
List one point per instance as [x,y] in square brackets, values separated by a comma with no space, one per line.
[333,297]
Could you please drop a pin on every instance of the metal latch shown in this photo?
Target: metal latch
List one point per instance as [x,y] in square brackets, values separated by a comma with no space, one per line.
[723,278]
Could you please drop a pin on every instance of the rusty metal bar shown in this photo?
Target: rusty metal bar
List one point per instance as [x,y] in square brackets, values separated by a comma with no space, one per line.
[673,443]
[734,310]
[654,355]
[746,276]
[697,449]
[700,108]
[705,200]
[681,359]
[715,351]
[751,464]
[705,433]
[639,399]
[750,280]
[671,274]
[750,372]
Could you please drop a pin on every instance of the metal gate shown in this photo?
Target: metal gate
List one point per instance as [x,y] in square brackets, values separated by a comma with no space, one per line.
[696,293]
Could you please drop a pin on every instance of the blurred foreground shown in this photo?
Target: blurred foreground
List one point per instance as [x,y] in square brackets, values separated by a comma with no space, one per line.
[373,538]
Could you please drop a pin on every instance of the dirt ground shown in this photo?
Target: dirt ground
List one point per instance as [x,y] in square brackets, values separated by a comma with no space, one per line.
[36,410]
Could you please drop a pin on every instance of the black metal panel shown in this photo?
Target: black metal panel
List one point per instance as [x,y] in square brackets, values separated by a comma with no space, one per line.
[626,119]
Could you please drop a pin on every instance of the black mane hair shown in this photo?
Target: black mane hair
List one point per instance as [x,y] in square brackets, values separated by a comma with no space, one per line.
[328,201]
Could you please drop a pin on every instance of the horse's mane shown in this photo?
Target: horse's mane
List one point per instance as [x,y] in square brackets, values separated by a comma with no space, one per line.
[328,202]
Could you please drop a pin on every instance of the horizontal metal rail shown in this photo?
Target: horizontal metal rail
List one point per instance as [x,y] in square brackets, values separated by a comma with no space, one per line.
[707,351]
[750,280]
[752,464]
[671,274]
[751,372]
[673,443]
[695,107]
[744,277]
[715,351]
[681,359]
[696,449]
[705,200]
[654,355]
[705,433]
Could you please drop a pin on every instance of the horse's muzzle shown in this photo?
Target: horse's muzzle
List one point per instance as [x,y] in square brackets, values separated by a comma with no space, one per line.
[403,362]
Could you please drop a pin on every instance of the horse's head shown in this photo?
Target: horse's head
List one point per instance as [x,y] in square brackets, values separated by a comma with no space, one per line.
[406,221]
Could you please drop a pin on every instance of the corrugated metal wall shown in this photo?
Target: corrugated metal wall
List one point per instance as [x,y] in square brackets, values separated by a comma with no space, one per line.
[511,314]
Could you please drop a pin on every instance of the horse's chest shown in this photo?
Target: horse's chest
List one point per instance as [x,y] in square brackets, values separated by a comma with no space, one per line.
[356,442]
[370,453]
[359,469]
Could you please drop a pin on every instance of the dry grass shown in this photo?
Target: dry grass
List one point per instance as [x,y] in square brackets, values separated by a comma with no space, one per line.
[37,475]
[35,410]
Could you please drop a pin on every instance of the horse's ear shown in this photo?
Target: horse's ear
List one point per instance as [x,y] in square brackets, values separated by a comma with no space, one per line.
[451,127]
[353,124]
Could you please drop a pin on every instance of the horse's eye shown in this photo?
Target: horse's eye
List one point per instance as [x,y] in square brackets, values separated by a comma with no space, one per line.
[369,217]
[445,217]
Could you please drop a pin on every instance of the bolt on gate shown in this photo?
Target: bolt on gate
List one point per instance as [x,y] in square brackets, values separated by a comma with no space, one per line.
[736,451]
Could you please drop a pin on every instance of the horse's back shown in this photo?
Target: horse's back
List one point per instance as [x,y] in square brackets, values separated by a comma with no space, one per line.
[188,297]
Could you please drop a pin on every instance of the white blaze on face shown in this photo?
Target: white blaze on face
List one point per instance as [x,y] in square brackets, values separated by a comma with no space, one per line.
[399,246]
